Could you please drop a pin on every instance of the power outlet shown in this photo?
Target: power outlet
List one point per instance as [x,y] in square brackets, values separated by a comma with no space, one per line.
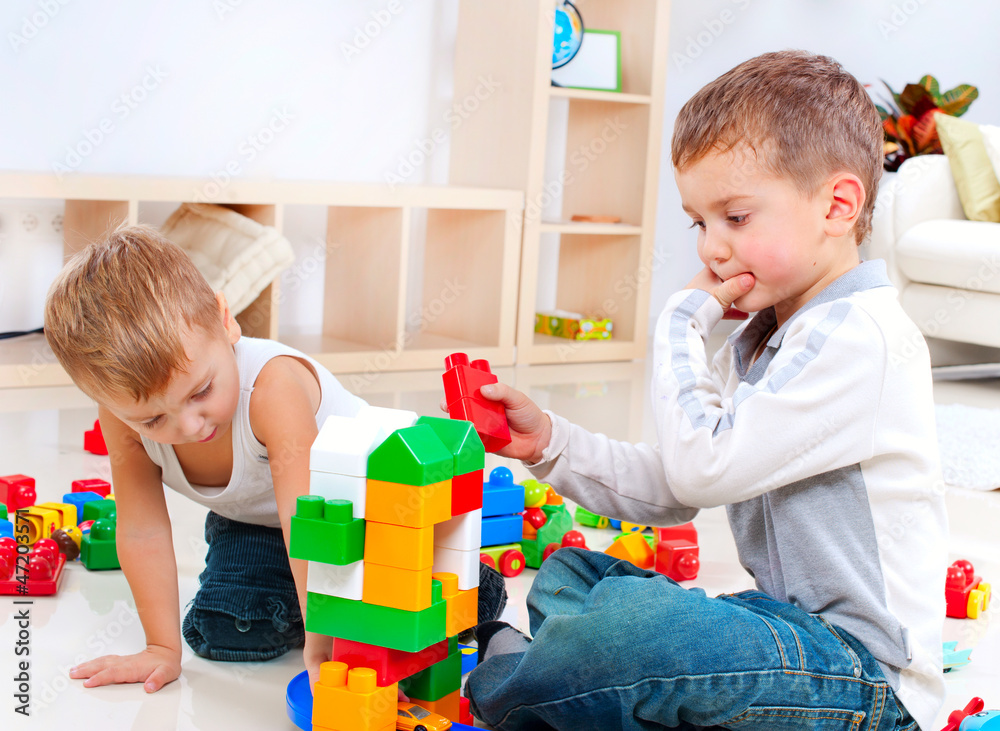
[31,221]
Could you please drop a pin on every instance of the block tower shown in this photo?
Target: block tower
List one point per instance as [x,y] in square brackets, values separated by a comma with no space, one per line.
[391,530]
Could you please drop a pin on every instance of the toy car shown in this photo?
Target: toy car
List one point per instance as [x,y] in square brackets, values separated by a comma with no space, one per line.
[411,717]
[966,595]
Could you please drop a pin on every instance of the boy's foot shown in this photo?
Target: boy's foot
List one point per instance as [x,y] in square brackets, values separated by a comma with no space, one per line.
[492,599]
[499,638]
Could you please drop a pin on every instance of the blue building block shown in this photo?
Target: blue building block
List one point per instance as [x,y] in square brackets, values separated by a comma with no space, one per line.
[501,529]
[500,495]
[470,657]
[6,529]
[78,499]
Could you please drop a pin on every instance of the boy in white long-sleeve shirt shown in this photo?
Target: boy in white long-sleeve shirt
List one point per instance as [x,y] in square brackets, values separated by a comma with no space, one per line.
[814,425]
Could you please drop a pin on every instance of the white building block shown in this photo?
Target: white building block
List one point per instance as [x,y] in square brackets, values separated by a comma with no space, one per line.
[463,532]
[388,419]
[331,580]
[340,487]
[343,445]
[465,564]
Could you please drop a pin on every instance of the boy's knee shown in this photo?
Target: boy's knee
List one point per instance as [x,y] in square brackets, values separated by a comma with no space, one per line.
[243,635]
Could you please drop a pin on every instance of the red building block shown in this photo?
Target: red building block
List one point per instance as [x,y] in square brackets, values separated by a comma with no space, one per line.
[16,492]
[41,575]
[678,559]
[93,440]
[390,666]
[464,714]
[687,531]
[101,487]
[462,381]
[466,492]
[966,595]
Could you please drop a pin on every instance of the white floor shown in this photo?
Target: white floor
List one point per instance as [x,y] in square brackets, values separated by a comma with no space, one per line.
[41,434]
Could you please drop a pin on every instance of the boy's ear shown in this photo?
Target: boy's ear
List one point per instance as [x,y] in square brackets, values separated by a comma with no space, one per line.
[232,328]
[846,199]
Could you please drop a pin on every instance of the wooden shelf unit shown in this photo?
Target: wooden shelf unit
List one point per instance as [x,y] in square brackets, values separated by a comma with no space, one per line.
[612,160]
[471,254]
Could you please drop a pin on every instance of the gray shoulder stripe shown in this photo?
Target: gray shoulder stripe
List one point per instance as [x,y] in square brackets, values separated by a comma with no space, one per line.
[680,356]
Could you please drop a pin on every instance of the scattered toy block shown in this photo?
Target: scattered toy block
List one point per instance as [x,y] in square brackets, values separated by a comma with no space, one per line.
[68,539]
[326,531]
[67,513]
[393,628]
[685,531]
[400,546]
[351,700]
[678,559]
[97,509]
[416,506]
[39,521]
[954,658]
[101,487]
[17,491]
[78,500]
[98,550]
[462,606]
[632,547]
[41,575]
[93,440]
[463,532]
[462,383]
[501,496]
[508,559]
[329,579]
[966,595]
[389,665]
[464,564]
[389,586]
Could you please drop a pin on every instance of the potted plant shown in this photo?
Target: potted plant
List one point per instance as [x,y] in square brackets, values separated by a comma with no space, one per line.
[909,125]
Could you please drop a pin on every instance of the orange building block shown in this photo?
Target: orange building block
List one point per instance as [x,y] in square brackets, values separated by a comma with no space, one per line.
[461,607]
[633,548]
[399,545]
[409,505]
[351,701]
[449,706]
[389,586]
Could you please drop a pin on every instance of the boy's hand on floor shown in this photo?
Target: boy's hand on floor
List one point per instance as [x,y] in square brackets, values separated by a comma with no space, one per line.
[154,667]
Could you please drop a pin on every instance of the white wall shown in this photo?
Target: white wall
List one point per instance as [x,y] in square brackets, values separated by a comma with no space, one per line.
[187,87]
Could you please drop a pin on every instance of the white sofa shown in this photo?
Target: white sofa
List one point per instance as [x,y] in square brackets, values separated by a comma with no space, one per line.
[947,268]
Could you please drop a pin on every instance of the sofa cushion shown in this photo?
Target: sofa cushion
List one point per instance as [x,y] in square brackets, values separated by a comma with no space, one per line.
[960,254]
[977,184]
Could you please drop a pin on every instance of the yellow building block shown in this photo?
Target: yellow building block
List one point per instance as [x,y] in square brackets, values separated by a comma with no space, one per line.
[633,548]
[41,522]
[409,505]
[399,545]
[67,512]
[449,706]
[351,701]
[389,586]
[461,607]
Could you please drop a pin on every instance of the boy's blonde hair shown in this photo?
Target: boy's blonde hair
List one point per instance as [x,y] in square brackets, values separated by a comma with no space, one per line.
[803,117]
[115,315]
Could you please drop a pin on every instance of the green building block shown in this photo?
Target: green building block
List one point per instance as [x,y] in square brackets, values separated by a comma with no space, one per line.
[396,629]
[533,551]
[411,456]
[326,531]
[593,520]
[460,438]
[437,681]
[558,523]
[97,549]
[97,509]
[3,512]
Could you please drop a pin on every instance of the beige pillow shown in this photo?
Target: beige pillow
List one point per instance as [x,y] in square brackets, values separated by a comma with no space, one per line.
[978,188]
[991,139]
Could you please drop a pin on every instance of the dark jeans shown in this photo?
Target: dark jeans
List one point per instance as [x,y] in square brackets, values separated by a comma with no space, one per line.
[247,608]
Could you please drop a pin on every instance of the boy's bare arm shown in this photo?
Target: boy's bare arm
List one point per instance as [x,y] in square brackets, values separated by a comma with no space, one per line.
[283,418]
[146,554]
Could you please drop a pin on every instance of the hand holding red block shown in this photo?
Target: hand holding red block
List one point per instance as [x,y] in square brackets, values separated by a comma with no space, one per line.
[462,381]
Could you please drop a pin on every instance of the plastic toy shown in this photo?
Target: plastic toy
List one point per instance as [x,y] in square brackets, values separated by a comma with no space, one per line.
[326,531]
[411,717]
[973,718]
[634,548]
[350,700]
[390,665]
[462,381]
[93,440]
[40,576]
[17,492]
[68,539]
[966,595]
[98,550]
[678,559]
[954,659]
[101,487]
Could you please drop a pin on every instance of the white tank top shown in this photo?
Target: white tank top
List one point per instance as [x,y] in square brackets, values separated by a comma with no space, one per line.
[249,496]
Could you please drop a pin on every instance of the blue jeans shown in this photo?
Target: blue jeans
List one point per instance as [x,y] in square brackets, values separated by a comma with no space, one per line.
[618,647]
[246,608]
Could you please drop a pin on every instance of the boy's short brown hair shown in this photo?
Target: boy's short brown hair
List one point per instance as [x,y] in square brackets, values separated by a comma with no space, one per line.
[803,117]
[115,314]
